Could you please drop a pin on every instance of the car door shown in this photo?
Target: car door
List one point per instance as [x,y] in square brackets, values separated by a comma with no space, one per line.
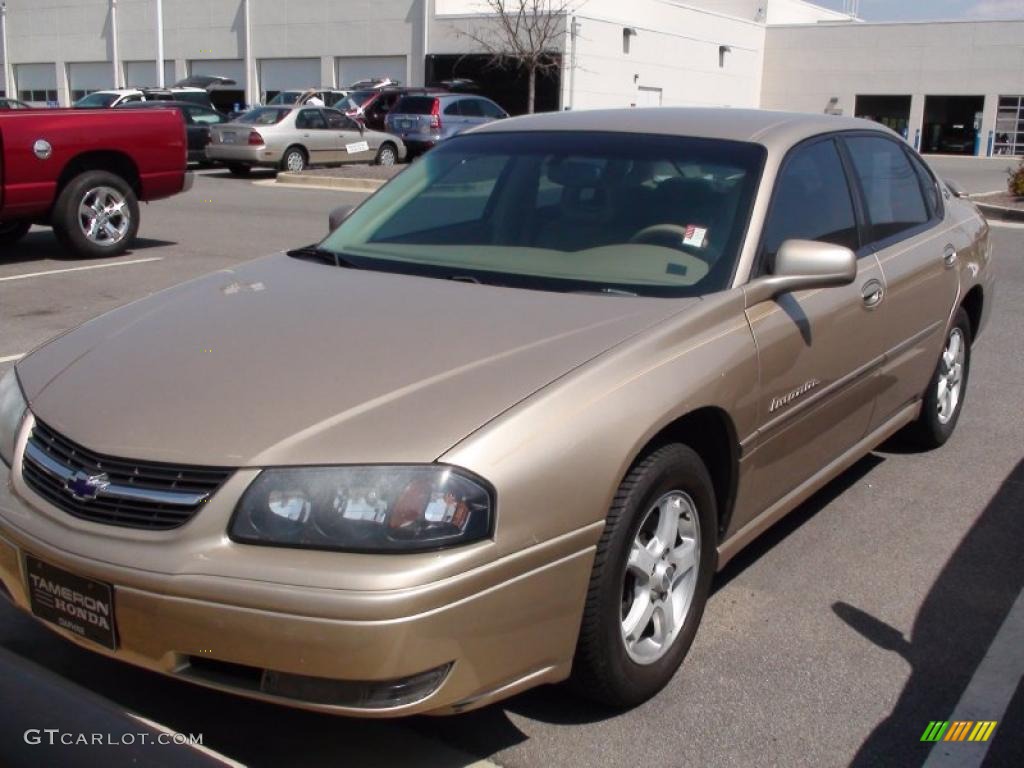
[817,349]
[352,144]
[319,141]
[918,255]
[452,118]
[472,113]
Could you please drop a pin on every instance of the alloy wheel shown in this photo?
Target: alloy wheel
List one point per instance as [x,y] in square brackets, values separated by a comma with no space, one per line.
[104,216]
[660,577]
[951,375]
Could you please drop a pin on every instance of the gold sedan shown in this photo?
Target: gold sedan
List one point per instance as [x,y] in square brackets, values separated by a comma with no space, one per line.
[504,424]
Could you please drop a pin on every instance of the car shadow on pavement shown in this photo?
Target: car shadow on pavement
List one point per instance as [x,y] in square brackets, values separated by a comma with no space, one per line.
[42,245]
[958,620]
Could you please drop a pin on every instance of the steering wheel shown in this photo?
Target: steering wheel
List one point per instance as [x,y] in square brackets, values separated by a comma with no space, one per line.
[660,231]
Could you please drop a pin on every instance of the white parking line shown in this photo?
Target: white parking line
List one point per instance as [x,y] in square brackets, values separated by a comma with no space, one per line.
[80,269]
[11,358]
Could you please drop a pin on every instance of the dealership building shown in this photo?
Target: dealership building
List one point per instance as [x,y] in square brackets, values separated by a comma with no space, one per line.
[949,87]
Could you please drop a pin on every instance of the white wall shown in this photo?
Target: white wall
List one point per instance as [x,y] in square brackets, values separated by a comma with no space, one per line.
[807,65]
[676,49]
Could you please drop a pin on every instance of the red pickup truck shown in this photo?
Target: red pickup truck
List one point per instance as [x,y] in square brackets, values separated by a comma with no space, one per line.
[83,172]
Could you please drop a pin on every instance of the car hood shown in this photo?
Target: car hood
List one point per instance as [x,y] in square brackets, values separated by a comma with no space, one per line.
[283,361]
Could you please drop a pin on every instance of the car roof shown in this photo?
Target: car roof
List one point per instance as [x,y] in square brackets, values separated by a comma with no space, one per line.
[773,129]
[156,103]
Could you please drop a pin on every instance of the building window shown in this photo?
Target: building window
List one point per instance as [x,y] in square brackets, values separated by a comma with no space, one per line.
[40,96]
[1010,126]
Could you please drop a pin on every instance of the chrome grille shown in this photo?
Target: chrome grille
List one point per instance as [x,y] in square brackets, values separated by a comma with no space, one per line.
[104,489]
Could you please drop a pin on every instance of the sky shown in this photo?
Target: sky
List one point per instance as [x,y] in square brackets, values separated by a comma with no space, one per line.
[915,10]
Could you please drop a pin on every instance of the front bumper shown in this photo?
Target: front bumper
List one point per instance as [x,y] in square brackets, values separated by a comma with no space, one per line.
[501,628]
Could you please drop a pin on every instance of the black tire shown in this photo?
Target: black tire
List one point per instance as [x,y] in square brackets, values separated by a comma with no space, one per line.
[931,430]
[237,169]
[66,219]
[602,669]
[387,154]
[296,156]
[12,231]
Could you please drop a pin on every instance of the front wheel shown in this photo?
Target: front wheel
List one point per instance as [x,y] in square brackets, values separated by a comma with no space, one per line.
[651,579]
[12,231]
[293,160]
[386,155]
[96,215]
[944,399]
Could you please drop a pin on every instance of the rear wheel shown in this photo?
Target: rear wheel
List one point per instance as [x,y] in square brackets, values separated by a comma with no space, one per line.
[236,169]
[944,399]
[96,215]
[12,231]
[386,155]
[651,578]
[293,160]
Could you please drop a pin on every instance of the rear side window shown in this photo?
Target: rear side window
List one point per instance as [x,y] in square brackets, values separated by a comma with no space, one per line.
[891,186]
[453,108]
[310,118]
[471,108]
[264,116]
[415,105]
[811,202]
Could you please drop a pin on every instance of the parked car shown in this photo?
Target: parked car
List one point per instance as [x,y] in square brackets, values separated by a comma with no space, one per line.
[292,138]
[373,83]
[423,121]
[14,104]
[193,89]
[326,96]
[505,423]
[198,121]
[83,172]
[371,107]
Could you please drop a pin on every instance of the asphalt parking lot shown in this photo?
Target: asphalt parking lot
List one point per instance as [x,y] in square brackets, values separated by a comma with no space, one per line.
[889,600]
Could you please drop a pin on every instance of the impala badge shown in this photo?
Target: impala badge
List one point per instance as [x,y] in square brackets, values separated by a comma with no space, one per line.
[779,402]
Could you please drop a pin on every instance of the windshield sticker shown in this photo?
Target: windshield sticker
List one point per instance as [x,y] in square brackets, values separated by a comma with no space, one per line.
[359,146]
[695,236]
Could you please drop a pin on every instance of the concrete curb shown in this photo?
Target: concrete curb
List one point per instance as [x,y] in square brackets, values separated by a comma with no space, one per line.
[1000,212]
[330,182]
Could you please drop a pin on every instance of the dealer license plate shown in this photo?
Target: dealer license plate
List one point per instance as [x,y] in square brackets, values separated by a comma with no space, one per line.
[79,605]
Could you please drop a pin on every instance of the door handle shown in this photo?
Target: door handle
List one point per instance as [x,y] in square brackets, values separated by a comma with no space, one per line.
[873,292]
[950,257]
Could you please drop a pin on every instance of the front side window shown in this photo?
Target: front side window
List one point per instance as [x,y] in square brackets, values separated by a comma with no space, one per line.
[490,109]
[932,195]
[891,187]
[471,108]
[651,215]
[811,202]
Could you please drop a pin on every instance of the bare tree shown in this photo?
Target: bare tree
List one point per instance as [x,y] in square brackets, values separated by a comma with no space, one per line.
[523,34]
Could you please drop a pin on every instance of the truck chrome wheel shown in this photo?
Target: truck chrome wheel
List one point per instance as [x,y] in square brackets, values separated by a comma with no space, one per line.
[104,216]
[951,375]
[660,578]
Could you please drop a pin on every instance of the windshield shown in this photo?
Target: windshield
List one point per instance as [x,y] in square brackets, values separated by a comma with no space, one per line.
[264,116]
[286,97]
[98,99]
[649,215]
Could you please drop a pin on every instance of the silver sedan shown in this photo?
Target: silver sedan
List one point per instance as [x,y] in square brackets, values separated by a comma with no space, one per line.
[292,138]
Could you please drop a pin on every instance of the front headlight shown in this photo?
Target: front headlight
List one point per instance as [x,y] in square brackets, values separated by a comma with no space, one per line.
[12,410]
[364,509]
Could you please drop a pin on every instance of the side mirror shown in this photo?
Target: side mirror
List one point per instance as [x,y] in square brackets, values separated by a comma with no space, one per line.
[337,216]
[801,265]
[956,189]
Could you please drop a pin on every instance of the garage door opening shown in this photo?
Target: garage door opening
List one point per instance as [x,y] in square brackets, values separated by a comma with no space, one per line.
[226,98]
[508,86]
[891,111]
[952,124]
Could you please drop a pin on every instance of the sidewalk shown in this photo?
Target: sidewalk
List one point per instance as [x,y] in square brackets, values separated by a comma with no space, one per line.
[355,178]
